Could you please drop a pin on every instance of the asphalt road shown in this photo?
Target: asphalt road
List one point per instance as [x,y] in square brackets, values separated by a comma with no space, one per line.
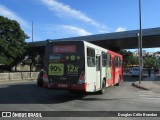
[27,96]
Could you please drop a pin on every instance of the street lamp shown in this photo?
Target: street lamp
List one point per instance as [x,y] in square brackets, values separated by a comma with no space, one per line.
[140,45]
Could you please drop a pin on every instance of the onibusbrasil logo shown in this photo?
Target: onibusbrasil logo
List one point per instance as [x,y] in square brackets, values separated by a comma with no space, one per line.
[21,114]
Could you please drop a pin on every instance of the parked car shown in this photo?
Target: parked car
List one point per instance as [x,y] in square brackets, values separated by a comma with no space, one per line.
[135,71]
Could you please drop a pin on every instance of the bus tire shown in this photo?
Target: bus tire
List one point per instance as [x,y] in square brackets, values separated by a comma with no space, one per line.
[117,84]
[40,83]
[102,91]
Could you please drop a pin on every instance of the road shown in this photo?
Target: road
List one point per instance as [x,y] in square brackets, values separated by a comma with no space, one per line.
[27,96]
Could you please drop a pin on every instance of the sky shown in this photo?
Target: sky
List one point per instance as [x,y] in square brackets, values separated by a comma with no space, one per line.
[56,19]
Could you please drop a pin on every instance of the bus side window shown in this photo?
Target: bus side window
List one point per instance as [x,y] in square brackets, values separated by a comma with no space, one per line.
[117,61]
[108,60]
[90,57]
[120,62]
[104,59]
[98,68]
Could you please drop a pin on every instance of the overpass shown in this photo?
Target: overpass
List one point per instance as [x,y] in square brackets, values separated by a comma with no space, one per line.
[117,40]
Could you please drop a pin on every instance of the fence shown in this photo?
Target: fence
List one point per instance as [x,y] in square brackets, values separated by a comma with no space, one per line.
[18,76]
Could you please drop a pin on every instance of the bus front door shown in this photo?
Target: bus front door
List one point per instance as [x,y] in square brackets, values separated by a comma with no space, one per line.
[98,71]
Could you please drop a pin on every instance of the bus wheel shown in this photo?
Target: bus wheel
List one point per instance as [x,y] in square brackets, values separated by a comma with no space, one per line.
[117,84]
[102,91]
[39,83]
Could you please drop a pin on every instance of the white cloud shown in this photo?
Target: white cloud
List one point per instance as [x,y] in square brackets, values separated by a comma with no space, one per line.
[75,30]
[103,31]
[120,29]
[4,11]
[65,10]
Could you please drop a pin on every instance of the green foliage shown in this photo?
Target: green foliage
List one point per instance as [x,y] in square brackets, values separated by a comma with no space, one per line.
[128,58]
[134,61]
[33,58]
[158,62]
[149,62]
[12,42]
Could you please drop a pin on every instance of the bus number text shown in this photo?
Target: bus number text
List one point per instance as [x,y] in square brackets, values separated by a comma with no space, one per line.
[72,68]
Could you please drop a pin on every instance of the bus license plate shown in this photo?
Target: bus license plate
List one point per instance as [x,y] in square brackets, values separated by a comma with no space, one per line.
[62,85]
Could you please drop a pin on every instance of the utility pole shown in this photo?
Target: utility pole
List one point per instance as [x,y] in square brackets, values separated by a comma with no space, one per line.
[140,45]
[32,31]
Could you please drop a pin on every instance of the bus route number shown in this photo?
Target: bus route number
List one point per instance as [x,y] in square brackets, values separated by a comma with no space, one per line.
[56,69]
[72,68]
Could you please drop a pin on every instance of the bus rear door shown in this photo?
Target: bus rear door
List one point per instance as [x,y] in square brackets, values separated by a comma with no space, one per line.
[98,71]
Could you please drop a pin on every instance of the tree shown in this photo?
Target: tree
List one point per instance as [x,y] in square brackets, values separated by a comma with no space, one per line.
[12,42]
[33,59]
[158,62]
[149,62]
[134,61]
[128,58]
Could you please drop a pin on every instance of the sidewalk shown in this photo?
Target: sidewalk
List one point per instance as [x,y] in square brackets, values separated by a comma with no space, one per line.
[149,83]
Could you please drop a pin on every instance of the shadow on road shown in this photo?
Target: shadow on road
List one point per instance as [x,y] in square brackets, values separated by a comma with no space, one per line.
[32,94]
[129,78]
[153,77]
[101,99]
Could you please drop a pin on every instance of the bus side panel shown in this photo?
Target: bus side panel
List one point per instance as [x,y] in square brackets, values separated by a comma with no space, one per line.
[116,75]
[90,79]
[90,76]
[121,70]
[111,72]
[109,76]
[122,77]
[118,72]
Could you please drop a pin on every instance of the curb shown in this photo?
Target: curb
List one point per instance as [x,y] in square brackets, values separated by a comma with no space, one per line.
[140,87]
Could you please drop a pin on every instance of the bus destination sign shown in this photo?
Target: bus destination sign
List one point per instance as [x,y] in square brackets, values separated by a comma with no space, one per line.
[64,49]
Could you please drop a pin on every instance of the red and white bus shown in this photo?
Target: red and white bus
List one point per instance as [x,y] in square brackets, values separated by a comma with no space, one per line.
[81,66]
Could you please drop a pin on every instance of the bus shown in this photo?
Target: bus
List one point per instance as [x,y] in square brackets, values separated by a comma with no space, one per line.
[81,66]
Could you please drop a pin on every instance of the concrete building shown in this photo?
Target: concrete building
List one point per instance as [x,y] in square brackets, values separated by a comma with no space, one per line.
[144,52]
[156,55]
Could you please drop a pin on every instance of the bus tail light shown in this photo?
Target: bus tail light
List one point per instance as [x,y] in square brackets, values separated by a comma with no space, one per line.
[62,61]
[45,76]
[81,78]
